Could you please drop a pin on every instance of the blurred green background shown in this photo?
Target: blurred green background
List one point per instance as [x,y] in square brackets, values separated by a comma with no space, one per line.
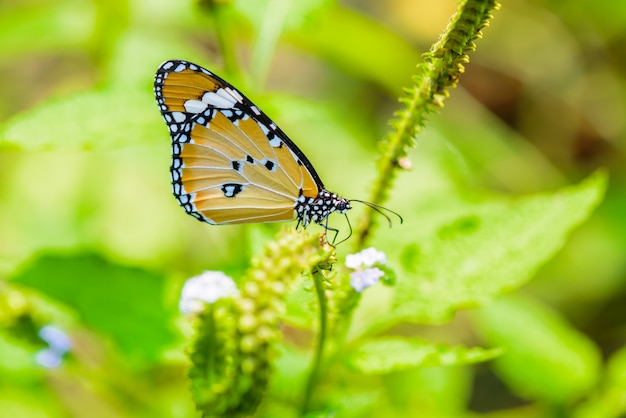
[85,194]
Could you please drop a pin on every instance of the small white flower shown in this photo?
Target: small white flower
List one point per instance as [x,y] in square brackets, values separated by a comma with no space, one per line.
[48,358]
[205,288]
[354,261]
[371,256]
[59,343]
[362,279]
[365,258]
[365,275]
[57,339]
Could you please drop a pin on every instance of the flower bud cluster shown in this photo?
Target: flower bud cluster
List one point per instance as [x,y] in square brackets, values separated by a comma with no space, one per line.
[236,334]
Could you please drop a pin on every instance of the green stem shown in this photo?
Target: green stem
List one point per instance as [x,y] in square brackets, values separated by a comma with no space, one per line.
[220,13]
[272,25]
[442,67]
[225,40]
[318,280]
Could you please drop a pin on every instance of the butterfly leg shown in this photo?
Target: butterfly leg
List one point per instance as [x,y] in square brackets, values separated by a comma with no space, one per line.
[328,228]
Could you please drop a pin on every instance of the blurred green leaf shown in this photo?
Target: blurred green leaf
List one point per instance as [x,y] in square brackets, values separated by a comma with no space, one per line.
[312,24]
[93,120]
[546,358]
[607,19]
[495,247]
[390,354]
[610,399]
[616,370]
[319,33]
[437,392]
[41,27]
[292,366]
[122,302]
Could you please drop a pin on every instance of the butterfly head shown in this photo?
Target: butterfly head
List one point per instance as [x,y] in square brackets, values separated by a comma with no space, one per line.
[342,205]
[319,209]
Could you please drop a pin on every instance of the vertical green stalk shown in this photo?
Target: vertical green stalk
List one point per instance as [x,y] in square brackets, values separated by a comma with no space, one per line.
[318,280]
[111,22]
[441,70]
[442,67]
[272,25]
[234,344]
[220,12]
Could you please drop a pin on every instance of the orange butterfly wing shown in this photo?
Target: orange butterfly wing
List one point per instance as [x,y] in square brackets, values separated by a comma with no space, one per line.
[230,163]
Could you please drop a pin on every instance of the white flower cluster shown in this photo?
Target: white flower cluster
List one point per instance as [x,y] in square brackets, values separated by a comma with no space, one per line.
[364,274]
[59,344]
[205,288]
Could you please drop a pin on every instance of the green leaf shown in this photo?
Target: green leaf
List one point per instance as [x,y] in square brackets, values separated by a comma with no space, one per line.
[389,354]
[610,399]
[45,26]
[319,33]
[494,247]
[122,302]
[546,358]
[616,371]
[106,119]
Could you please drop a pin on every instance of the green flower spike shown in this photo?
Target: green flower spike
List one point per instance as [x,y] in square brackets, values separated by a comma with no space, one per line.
[235,336]
[442,67]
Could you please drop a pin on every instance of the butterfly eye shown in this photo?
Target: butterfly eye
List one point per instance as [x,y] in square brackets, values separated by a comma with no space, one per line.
[343,205]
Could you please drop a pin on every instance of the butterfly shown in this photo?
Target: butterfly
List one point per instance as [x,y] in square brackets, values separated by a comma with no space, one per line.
[231,164]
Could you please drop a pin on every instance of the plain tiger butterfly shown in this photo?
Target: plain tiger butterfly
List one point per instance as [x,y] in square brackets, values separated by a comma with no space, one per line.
[230,163]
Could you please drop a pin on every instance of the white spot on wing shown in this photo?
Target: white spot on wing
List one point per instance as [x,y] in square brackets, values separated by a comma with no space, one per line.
[275,142]
[263,128]
[220,99]
[178,116]
[234,93]
[195,106]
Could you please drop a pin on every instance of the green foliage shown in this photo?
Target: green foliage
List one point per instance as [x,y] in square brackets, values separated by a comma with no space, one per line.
[545,358]
[498,192]
[485,251]
[124,303]
[79,124]
[390,354]
[440,72]
[235,339]
[608,399]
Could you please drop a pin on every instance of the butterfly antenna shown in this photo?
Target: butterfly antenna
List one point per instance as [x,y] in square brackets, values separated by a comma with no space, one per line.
[380,209]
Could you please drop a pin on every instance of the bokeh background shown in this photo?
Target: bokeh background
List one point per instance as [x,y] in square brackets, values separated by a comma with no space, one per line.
[84,180]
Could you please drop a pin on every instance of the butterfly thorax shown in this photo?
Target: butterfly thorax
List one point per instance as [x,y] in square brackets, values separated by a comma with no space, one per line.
[317,209]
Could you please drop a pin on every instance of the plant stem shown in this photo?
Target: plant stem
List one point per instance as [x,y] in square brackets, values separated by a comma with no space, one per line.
[440,72]
[318,280]
[225,40]
[272,25]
